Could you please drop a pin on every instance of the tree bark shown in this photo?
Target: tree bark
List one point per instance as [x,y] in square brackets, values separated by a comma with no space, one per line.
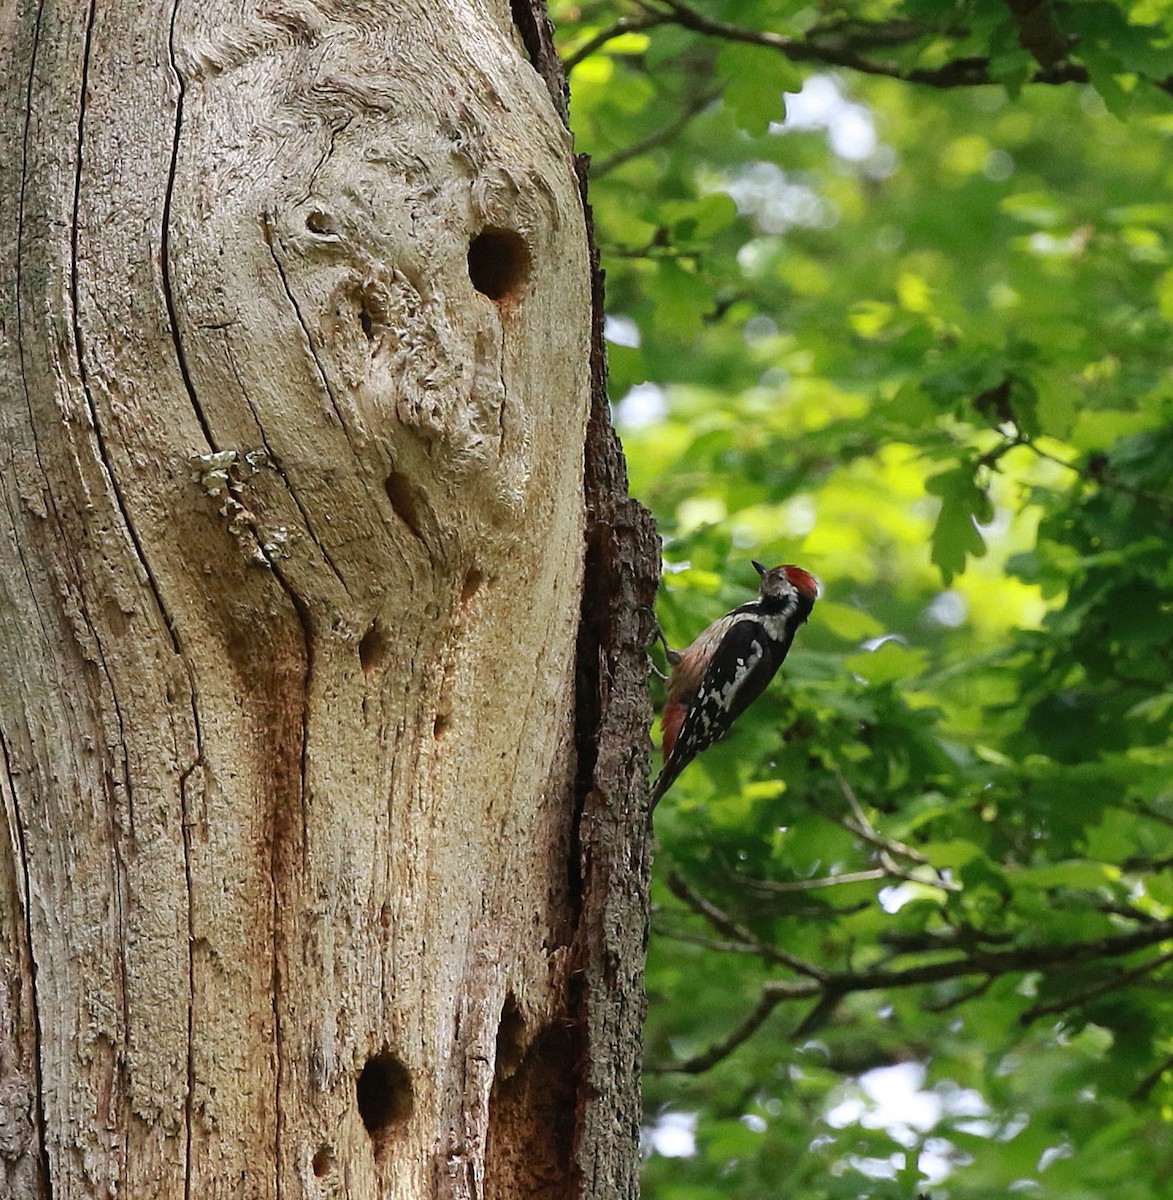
[324,852]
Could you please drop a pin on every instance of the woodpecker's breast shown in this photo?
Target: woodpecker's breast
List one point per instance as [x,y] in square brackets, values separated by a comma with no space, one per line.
[777,625]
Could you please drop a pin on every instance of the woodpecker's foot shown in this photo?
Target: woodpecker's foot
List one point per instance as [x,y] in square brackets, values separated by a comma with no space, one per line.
[672,657]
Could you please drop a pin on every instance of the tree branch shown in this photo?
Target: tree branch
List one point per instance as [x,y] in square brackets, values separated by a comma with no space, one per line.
[617,29]
[1099,988]
[1146,1085]
[838,46]
[889,850]
[773,993]
[659,137]
[769,887]
[831,987]
[724,923]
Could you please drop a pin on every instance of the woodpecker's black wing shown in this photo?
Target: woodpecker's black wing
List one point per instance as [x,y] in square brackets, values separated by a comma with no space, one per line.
[738,672]
[736,676]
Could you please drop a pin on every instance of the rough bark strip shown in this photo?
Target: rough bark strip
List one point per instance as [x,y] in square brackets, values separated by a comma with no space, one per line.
[612,717]
[622,572]
[23,1168]
[537,36]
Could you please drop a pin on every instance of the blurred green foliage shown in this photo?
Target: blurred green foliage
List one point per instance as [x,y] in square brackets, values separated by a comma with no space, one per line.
[910,327]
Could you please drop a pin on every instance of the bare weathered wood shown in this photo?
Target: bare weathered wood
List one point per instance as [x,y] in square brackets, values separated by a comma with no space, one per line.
[294,379]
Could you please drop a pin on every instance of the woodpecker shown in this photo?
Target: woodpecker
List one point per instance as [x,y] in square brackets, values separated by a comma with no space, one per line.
[716,678]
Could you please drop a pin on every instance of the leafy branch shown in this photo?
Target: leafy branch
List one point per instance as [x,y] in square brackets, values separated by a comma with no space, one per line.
[847,43]
[828,988]
[725,924]
[889,850]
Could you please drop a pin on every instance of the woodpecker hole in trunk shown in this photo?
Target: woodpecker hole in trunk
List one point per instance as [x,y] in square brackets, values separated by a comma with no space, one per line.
[385,1099]
[472,584]
[510,1038]
[498,264]
[373,647]
[404,497]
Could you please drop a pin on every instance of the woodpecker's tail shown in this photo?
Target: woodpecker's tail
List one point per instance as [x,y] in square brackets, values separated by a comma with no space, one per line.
[665,779]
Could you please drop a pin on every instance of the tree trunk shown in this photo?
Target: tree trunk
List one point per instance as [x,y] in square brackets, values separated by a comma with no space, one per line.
[323,857]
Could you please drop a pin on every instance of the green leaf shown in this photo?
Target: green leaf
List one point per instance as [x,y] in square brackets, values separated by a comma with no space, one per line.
[1071,874]
[888,663]
[956,536]
[754,80]
[852,624]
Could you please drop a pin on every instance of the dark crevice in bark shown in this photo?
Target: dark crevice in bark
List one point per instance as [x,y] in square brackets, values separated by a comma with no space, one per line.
[274,461]
[529,1138]
[622,563]
[104,459]
[18,286]
[38,1100]
[537,36]
[165,242]
[282,861]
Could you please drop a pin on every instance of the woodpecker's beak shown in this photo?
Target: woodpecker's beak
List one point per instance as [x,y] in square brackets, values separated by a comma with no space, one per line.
[757,566]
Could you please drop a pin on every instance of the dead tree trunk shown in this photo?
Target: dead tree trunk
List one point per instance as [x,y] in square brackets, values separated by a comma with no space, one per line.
[322,859]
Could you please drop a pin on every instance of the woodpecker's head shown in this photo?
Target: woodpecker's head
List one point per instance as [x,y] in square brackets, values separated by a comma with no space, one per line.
[787,582]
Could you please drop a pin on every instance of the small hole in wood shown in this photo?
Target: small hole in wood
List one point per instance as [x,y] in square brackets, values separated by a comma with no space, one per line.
[498,263]
[403,496]
[318,222]
[440,725]
[323,1161]
[510,1038]
[385,1099]
[372,311]
[472,584]
[372,650]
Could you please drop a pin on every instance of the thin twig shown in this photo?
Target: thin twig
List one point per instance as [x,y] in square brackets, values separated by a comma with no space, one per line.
[1099,988]
[724,923]
[769,887]
[1146,1085]
[1098,474]
[957,937]
[1147,810]
[818,1016]
[693,939]
[867,831]
[658,137]
[773,993]
[618,28]
[979,989]
[889,849]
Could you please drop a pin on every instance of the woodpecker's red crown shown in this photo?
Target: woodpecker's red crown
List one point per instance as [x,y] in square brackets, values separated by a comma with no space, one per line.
[774,577]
